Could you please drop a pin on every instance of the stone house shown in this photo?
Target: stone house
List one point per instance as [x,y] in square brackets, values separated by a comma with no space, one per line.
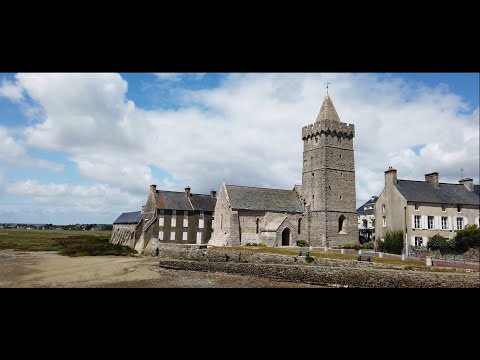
[366,219]
[422,209]
[171,217]
[321,211]
[127,229]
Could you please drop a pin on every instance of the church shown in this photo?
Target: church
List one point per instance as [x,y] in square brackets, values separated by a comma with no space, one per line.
[321,211]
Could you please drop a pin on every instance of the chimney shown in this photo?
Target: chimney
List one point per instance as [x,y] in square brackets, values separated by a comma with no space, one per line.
[468,183]
[143,208]
[432,178]
[187,191]
[391,176]
[153,188]
[213,194]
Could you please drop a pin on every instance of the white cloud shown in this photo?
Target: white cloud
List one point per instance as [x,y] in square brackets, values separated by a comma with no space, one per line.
[248,130]
[11,91]
[89,201]
[177,77]
[13,153]
[169,76]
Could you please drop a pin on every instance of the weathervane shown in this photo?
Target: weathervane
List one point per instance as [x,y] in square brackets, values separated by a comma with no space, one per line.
[328,85]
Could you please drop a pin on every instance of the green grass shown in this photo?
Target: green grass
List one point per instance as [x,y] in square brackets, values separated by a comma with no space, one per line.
[413,265]
[65,242]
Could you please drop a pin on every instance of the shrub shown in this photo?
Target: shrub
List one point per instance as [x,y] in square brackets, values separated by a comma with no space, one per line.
[309,259]
[351,246]
[302,243]
[380,245]
[467,238]
[262,245]
[368,245]
[394,242]
[438,242]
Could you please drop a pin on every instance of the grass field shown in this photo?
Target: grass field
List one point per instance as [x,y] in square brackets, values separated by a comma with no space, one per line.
[65,242]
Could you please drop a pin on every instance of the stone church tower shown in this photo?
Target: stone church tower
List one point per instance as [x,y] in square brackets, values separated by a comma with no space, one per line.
[328,180]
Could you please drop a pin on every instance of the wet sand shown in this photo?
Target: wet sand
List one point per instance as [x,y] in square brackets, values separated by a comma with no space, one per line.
[21,269]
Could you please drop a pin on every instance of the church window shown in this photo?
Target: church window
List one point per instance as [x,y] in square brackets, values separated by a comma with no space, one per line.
[313,174]
[340,156]
[342,225]
[340,197]
[258,225]
[299,226]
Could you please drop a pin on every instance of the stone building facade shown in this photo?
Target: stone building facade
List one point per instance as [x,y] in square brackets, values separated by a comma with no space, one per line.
[328,180]
[422,209]
[257,216]
[321,211]
[127,229]
[169,217]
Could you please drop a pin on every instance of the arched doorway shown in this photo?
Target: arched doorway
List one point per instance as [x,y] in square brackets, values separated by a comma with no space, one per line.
[286,237]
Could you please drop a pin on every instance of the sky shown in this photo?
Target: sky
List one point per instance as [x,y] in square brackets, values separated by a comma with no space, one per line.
[83,148]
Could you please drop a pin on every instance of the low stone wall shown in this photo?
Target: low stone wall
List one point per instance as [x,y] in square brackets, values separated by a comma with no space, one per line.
[471,255]
[332,276]
[186,252]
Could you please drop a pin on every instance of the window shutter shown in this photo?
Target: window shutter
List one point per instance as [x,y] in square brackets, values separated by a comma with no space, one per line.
[413,221]
[465,221]
[477,221]
[454,223]
[425,222]
[425,240]
[413,241]
[449,223]
[438,219]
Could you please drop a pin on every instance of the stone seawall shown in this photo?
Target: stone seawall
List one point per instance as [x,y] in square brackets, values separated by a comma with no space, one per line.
[227,255]
[332,276]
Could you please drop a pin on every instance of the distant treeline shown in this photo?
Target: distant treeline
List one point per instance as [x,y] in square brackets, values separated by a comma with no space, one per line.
[96,227]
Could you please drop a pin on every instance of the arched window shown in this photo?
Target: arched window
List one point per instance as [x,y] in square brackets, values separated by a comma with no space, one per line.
[258,225]
[299,226]
[342,225]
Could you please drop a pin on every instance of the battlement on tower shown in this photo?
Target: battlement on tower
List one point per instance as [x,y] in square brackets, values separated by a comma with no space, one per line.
[328,127]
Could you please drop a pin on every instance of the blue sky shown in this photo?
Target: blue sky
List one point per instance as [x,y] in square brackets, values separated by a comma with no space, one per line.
[82,148]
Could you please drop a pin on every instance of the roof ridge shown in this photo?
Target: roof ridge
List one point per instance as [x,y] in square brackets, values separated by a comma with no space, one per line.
[256,187]
[181,192]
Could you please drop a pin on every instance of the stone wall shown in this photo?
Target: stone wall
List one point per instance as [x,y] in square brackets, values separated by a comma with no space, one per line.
[331,276]
[126,234]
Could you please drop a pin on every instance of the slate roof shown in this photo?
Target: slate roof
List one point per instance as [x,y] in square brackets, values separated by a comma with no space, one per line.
[421,191]
[252,198]
[172,200]
[129,218]
[361,210]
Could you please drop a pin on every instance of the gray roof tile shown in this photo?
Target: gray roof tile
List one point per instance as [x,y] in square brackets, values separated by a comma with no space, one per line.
[422,191]
[129,218]
[172,200]
[252,198]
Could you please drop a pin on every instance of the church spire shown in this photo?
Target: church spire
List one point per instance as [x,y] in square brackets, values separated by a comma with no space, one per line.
[328,112]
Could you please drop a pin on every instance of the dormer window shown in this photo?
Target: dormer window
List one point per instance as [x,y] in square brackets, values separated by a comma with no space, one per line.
[444,208]
[417,207]
[459,208]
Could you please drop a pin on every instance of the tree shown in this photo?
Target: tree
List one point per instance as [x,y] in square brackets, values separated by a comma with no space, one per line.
[394,242]
[467,238]
[438,242]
